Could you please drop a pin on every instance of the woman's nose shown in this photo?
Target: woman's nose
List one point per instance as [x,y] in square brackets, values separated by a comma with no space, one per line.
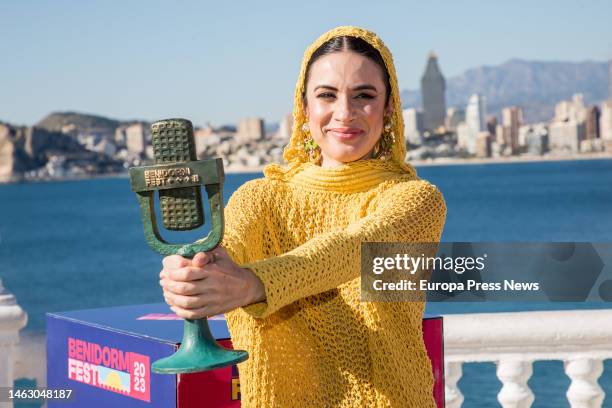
[344,109]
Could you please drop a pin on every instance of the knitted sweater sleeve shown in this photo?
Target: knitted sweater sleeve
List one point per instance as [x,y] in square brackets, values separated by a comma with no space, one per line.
[411,211]
[244,218]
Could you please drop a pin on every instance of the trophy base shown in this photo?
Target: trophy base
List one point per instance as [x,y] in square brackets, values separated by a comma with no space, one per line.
[198,352]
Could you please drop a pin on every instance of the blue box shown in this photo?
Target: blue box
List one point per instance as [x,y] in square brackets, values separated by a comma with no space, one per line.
[104,356]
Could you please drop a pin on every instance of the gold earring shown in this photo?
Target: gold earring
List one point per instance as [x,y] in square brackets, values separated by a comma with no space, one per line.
[384,146]
[310,146]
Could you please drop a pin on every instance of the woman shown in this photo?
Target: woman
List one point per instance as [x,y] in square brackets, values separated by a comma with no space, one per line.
[287,273]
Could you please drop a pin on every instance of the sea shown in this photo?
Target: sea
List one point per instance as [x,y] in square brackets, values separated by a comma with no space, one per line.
[70,245]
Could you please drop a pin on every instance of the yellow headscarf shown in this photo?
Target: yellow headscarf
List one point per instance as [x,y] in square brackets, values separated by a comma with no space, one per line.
[296,156]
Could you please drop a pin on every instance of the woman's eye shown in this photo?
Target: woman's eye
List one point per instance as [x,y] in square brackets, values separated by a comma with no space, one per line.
[326,95]
[365,96]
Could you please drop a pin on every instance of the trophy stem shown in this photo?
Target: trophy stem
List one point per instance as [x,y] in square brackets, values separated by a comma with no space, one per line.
[199,351]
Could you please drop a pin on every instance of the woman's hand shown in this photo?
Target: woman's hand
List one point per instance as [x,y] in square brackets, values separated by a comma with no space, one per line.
[209,284]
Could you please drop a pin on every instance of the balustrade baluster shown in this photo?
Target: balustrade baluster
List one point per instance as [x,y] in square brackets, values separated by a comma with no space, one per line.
[452,374]
[515,392]
[584,391]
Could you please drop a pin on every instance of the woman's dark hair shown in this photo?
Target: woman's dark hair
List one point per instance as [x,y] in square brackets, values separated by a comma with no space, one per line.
[354,44]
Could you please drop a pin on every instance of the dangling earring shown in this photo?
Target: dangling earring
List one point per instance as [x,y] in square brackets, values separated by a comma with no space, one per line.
[384,146]
[310,146]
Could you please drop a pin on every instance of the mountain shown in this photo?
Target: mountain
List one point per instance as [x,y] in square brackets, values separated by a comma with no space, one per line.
[536,86]
[54,122]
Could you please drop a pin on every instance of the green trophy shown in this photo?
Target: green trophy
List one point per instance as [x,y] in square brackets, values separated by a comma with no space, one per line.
[178,175]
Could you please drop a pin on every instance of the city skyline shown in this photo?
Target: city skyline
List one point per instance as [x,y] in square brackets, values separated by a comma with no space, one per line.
[67,56]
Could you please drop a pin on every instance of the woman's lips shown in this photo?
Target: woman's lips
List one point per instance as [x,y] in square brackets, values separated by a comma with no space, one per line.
[346,133]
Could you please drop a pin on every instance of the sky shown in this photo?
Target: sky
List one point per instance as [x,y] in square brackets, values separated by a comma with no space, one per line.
[219,62]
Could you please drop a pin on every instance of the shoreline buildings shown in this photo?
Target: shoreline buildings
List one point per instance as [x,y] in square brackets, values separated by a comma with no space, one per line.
[439,131]
[74,144]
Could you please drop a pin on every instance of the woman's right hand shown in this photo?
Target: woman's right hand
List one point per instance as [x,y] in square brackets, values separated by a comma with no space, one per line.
[179,279]
[209,284]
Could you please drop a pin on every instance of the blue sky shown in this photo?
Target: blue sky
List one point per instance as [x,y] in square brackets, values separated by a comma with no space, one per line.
[219,62]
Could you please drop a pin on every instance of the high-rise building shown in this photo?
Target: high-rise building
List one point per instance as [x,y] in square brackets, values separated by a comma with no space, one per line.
[565,137]
[483,144]
[500,135]
[592,122]
[573,110]
[475,122]
[120,137]
[466,138]
[454,116]
[135,139]
[476,113]
[535,136]
[610,79]
[413,126]
[433,87]
[512,119]
[605,124]
[605,120]
[492,124]
[250,129]
[285,128]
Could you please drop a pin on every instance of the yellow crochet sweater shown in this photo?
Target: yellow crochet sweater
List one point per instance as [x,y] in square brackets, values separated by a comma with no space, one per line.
[312,343]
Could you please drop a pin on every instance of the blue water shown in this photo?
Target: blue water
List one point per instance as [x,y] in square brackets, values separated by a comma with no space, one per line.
[79,244]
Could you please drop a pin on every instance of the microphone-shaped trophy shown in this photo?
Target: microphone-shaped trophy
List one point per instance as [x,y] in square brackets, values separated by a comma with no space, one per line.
[178,175]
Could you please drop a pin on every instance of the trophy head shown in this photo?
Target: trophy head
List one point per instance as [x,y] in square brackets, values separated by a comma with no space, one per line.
[177,176]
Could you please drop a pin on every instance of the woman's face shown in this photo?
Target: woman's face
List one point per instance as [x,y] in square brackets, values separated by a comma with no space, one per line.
[345,106]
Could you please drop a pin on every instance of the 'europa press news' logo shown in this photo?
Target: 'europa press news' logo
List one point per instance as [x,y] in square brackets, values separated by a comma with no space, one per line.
[115,370]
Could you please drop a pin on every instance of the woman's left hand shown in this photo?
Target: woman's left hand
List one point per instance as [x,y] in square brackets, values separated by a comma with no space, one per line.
[209,284]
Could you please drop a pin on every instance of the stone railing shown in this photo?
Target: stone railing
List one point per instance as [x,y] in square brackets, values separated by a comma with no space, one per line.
[582,339]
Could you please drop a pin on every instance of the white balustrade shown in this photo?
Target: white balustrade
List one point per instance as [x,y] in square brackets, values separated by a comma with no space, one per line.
[582,339]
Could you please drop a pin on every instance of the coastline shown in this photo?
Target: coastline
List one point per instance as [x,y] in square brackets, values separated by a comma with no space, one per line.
[416,163]
[511,159]
[457,162]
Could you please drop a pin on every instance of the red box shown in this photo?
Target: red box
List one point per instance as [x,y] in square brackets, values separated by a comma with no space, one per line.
[104,356]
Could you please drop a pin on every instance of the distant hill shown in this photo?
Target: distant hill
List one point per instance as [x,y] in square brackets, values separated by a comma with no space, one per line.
[54,122]
[535,85]
[87,123]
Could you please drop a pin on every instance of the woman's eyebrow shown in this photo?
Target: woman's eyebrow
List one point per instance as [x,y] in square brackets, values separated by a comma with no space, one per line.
[326,87]
[364,87]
